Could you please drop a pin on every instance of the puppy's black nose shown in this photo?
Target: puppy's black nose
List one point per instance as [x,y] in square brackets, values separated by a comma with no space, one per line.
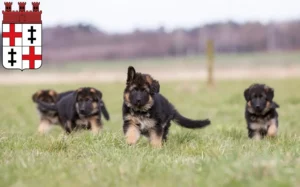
[81,110]
[257,107]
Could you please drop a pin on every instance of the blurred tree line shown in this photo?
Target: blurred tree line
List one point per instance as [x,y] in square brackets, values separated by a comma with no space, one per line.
[86,42]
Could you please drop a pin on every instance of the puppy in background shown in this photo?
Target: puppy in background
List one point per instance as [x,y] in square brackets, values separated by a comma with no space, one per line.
[260,114]
[47,117]
[81,109]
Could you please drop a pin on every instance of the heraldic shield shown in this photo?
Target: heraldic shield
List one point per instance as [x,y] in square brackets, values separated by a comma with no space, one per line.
[22,37]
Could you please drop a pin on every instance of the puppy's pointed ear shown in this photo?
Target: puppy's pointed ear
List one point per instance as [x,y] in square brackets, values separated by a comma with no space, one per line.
[130,74]
[247,94]
[154,87]
[269,92]
[36,95]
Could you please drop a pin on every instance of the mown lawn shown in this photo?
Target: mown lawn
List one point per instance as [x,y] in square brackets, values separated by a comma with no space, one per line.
[219,155]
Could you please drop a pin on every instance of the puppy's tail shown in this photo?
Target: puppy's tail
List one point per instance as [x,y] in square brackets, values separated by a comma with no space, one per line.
[189,123]
[47,106]
[104,110]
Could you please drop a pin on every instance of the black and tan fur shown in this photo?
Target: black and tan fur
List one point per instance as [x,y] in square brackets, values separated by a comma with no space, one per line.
[146,112]
[260,113]
[47,117]
[80,110]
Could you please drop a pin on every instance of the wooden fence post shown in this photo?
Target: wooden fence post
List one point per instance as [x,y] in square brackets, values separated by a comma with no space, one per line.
[210,62]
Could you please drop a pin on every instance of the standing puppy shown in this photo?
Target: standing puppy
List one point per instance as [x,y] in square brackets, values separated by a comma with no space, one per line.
[261,115]
[146,112]
[47,117]
[80,109]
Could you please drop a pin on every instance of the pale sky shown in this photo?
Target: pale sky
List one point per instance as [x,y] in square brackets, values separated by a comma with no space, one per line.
[126,15]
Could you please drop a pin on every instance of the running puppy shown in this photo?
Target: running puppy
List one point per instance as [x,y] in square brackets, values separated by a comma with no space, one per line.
[47,117]
[80,110]
[260,114]
[146,112]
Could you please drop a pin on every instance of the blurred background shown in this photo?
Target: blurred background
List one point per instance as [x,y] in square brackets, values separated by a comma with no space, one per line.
[96,40]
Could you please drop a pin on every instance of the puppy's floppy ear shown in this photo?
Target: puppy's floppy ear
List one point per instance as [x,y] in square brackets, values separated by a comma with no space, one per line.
[101,105]
[103,109]
[130,74]
[153,84]
[247,94]
[98,93]
[269,92]
[53,94]
[36,95]
[275,105]
[154,87]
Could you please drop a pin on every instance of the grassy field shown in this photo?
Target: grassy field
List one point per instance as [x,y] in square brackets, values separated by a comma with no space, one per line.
[219,155]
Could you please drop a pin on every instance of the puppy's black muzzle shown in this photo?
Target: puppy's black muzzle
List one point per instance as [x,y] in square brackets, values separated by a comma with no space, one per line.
[85,108]
[257,105]
[42,109]
[138,99]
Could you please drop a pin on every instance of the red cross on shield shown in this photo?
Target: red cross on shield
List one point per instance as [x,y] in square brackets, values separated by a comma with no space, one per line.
[12,35]
[32,57]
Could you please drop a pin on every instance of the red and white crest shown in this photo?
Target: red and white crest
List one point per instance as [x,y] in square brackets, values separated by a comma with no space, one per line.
[22,37]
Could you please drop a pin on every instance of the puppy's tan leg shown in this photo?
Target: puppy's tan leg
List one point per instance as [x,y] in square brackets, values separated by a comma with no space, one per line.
[155,139]
[257,136]
[132,133]
[44,126]
[96,125]
[272,130]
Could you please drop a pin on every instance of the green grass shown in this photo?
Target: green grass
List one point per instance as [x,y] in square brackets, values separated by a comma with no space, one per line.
[219,155]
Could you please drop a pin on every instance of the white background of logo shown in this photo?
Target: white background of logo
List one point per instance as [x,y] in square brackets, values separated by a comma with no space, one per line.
[17,57]
[37,35]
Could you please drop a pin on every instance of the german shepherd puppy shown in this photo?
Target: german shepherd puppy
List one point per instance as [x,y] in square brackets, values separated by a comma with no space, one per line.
[260,113]
[80,109]
[47,117]
[146,112]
